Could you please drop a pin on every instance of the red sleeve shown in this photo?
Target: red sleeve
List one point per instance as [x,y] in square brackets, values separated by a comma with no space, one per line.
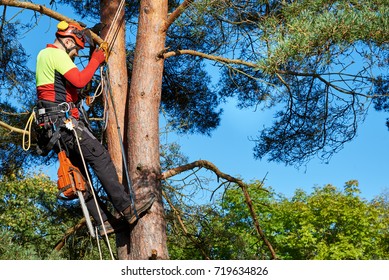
[78,78]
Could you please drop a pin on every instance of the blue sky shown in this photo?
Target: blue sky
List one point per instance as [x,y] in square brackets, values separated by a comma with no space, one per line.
[364,159]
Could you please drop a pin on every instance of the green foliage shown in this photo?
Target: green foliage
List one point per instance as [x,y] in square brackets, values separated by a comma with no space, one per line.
[25,208]
[330,224]
[222,230]
[326,225]
[12,250]
[34,220]
[312,59]
[340,24]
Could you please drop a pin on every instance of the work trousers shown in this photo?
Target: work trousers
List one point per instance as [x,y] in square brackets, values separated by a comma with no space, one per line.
[98,158]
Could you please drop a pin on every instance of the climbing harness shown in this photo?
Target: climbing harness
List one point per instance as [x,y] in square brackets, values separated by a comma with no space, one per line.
[71,183]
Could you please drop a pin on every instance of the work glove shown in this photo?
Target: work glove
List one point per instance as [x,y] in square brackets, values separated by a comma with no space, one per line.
[98,55]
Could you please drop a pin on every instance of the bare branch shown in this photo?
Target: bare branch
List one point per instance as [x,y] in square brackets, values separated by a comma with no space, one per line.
[210,166]
[165,54]
[46,11]
[13,129]
[210,57]
[183,227]
[176,13]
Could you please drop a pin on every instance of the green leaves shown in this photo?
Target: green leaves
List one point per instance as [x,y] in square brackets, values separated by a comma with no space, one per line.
[31,215]
[313,28]
[327,224]
[331,224]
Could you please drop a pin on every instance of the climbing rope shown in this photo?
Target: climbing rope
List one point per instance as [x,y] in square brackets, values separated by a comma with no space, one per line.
[105,87]
[108,90]
[92,191]
[111,37]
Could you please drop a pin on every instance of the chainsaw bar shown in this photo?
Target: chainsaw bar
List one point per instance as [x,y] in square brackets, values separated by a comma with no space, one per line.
[86,214]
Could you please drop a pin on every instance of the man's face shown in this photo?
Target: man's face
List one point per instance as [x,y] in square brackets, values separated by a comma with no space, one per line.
[71,44]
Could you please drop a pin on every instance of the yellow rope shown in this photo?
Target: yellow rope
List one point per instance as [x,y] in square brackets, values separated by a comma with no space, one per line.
[27,130]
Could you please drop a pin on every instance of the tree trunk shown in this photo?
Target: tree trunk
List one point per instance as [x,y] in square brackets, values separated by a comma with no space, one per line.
[148,237]
[118,79]
[117,104]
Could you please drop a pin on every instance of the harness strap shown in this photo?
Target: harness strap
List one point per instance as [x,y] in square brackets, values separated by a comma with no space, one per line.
[50,108]
[53,140]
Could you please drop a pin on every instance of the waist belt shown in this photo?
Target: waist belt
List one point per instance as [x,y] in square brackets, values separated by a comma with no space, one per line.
[45,108]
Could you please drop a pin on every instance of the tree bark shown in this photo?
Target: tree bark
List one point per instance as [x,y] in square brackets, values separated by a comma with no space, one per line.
[117,77]
[148,237]
[114,32]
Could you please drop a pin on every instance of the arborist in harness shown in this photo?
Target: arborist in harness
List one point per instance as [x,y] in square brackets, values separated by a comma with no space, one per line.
[58,81]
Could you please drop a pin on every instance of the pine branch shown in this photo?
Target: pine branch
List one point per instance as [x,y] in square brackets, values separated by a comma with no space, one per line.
[13,129]
[46,11]
[176,13]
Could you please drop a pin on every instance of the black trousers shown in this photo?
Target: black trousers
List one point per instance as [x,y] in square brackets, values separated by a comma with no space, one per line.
[98,158]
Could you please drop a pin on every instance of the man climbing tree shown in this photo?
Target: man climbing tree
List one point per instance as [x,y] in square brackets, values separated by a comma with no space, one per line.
[62,127]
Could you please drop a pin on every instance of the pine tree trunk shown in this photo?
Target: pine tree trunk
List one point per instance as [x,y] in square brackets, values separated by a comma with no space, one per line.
[148,237]
[119,80]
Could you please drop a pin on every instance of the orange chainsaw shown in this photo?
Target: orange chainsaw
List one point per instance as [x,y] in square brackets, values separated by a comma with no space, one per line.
[71,184]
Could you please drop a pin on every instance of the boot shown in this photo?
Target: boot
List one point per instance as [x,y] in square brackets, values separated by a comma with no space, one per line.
[142,204]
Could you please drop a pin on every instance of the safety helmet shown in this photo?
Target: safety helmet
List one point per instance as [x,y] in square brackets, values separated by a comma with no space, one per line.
[73,30]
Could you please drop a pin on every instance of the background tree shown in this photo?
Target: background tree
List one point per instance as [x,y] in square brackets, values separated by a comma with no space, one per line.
[294,57]
[327,224]
[331,224]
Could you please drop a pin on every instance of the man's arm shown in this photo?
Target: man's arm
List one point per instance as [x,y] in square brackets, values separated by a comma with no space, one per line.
[78,78]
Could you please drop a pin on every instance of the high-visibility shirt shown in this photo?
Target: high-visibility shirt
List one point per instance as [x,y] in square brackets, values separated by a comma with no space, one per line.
[58,78]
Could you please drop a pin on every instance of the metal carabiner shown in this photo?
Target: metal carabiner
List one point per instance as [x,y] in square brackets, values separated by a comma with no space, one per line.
[67,107]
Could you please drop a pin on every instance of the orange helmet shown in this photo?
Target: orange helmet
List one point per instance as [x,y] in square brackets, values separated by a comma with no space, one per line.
[73,30]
